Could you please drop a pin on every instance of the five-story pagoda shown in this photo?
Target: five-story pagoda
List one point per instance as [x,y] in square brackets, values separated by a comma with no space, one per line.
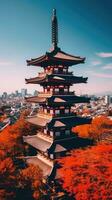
[54,120]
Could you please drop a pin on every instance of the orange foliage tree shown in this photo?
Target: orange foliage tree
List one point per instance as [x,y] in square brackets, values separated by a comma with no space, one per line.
[11,139]
[87,174]
[30,179]
[7,179]
[14,180]
[99,126]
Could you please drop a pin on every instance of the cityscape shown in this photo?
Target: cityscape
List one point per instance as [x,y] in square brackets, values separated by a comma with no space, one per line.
[56,114]
[13,103]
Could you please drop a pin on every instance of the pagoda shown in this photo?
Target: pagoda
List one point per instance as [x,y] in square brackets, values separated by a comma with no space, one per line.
[55,118]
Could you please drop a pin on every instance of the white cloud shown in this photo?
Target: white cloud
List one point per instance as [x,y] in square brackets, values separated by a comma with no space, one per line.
[100,75]
[96,62]
[6,63]
[104,54]
[108,66]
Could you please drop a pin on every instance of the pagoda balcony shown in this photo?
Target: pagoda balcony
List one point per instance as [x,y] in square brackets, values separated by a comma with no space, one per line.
[50,116]
[44,115]
[45,136]
[45,159]
[43,94]
[64,93]
[64,114]
[62,73]
[49,94]
[45,164]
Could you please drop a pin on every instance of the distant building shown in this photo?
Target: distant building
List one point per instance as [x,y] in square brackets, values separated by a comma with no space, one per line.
[4,96]
[108,99]
[23,92]
[16,93]
[35,93]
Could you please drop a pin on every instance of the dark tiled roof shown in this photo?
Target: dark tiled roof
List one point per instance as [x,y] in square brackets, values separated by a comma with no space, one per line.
[58,99]
[56,56]
[55,77]
[70,121]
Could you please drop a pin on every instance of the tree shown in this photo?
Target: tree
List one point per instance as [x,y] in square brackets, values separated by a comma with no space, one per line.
[11,138]
[99,126]
[87,173]
[7,179]
[16,183]
[30,180]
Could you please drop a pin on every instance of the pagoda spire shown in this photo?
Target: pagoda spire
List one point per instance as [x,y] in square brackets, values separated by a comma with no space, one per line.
[54,29]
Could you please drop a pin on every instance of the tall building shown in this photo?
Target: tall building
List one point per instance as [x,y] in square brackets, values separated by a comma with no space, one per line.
[108,99]
[4,95]
[54,138]
[23,92]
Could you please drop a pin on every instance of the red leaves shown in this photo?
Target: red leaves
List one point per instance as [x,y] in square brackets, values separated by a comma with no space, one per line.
[96,130]
[88,173]
[14,180]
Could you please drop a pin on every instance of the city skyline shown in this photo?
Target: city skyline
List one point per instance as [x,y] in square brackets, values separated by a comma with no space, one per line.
[84,29]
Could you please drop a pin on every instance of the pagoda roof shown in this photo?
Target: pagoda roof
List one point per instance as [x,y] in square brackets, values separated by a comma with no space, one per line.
[70,99]
[35,99]
[39,121]
[56,56]
[56,78]
[44,145]
[69,121]
[45,167]
[37,142]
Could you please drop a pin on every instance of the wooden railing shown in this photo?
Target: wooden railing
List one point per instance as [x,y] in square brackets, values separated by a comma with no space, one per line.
[48,94]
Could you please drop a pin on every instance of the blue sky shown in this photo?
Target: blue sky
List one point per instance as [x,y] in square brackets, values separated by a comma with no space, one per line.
[85,29]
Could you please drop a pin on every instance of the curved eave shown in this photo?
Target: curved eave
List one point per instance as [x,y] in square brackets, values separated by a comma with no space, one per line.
[58,79]
[69,79]
[36,99]
[38,121]
[35,160]
[36,60]
[69,122]
[58,100]
[36,80]
[68,100]
[49,60]
[37,142]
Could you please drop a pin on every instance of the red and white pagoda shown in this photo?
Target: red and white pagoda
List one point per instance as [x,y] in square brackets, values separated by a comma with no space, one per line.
[54,120]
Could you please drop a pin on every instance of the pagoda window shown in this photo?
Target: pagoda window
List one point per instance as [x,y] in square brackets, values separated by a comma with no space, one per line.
[64,70]
[57,112]
[56,89]
[67,132]
[66,89]
[45,90]
[61,86]
[51,111]
[45,110]
[51,133]
[45,131]
[51,89]
[57,133]
[51,156]
[66,110]
[55,70]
